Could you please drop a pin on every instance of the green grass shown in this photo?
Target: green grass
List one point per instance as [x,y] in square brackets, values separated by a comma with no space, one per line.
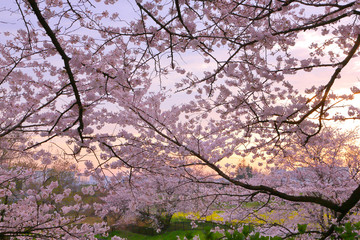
[168,235]
[181,218]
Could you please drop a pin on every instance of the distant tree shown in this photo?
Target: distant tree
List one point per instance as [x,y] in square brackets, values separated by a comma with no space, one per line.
[243,171]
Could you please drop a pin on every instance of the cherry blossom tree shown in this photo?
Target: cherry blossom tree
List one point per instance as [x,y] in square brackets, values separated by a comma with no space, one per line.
[118,86]
[152,201]
[321,169]
[38,213]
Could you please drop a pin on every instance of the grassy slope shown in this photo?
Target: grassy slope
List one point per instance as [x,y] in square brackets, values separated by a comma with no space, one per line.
[166,235]
[172,234]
